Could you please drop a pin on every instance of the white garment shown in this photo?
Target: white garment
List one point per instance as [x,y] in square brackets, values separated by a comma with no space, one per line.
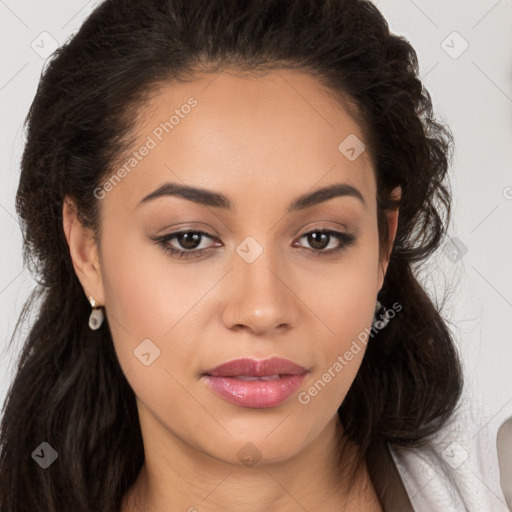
[457,470]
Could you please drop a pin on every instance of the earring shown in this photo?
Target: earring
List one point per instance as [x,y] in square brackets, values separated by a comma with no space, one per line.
[96,317]
[379,324]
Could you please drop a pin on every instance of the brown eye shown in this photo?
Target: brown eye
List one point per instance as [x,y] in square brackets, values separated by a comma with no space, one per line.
[186,243]
[189,240]
[320,239]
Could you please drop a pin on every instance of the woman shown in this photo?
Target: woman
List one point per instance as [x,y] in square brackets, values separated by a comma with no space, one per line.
[225,203]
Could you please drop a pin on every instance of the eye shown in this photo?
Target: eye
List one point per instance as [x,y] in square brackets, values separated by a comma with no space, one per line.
[321,239]
[189,241]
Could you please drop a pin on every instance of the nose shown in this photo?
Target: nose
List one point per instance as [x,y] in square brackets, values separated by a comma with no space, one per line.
[260,296]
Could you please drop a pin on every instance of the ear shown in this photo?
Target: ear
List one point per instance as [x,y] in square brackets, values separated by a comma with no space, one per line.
[392,219]
[83,251]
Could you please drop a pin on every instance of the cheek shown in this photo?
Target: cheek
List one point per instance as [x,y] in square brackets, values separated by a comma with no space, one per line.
[152,310]
[148,298]
[342,297]
[342,294]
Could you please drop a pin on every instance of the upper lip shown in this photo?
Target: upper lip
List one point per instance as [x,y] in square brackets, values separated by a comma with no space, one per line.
[253,367]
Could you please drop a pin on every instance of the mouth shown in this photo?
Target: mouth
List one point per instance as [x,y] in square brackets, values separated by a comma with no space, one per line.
[254,377]
[256,384]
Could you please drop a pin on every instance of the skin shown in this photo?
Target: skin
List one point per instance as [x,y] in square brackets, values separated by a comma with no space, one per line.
[262,142]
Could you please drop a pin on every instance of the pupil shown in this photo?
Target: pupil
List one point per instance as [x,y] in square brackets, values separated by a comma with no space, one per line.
[187,243]
[314,240]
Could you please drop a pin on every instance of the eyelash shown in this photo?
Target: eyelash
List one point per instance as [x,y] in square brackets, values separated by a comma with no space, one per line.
[346,239]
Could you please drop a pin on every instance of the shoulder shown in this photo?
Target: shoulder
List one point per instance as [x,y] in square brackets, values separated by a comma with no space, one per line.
[457,469]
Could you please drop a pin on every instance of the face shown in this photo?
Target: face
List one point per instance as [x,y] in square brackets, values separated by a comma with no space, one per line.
[192,281]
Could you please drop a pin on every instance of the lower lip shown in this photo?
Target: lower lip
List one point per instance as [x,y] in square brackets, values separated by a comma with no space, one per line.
[255,393]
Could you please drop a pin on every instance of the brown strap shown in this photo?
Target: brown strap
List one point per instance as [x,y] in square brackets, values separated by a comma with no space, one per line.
[387,481]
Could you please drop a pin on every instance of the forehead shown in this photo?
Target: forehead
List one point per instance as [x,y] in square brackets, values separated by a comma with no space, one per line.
[277,132]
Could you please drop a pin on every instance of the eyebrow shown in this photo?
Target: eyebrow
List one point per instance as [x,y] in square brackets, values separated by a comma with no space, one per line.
[217,200]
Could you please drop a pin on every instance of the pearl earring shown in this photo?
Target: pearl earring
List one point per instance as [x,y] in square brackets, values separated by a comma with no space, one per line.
[97,316]
[379,324]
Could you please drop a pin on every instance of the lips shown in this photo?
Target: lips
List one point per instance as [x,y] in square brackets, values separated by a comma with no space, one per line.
[258,384]
[252,368]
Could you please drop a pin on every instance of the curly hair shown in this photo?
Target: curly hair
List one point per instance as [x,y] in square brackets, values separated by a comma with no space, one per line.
[69,389]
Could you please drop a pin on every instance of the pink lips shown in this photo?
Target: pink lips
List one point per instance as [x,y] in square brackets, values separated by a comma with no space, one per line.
[257,384]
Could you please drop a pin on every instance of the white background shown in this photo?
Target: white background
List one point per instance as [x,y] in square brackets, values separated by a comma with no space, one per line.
[472,92]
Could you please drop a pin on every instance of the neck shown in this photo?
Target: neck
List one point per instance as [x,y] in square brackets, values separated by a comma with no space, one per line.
[180,477]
